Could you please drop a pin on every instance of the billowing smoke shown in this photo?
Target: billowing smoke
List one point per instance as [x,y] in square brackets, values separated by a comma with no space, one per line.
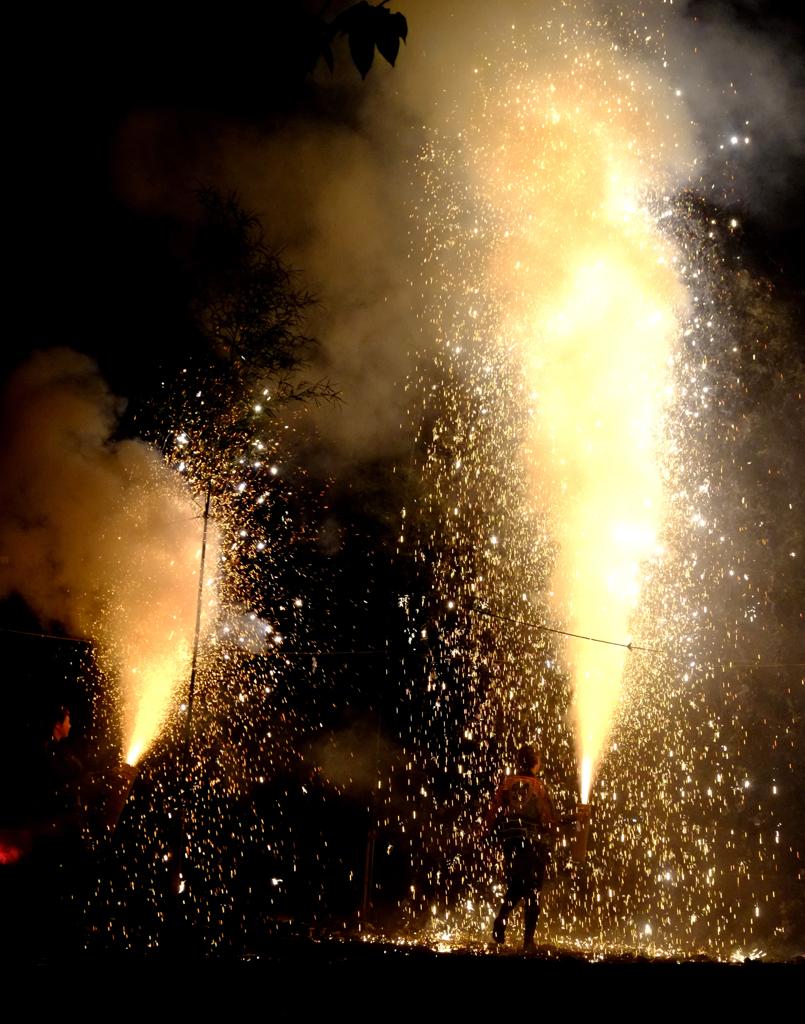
[339,193]
[99,535]
[332,200]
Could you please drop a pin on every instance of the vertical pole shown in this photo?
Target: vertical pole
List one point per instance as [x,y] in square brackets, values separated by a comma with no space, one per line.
[191,694]
[185,766]
[367,875]
[371,835]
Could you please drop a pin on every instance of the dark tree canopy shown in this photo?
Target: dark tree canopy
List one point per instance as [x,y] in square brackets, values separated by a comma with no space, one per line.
[244,298]
[250,347]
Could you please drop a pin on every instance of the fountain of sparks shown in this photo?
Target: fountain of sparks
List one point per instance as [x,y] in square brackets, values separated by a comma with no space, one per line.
[574,310]
[144,639]
[561,449]
[589,305]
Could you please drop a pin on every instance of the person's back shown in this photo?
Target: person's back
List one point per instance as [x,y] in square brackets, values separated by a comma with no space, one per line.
[524,817]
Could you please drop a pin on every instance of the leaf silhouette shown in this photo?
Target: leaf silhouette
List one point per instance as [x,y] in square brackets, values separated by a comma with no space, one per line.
[400,25]
[362,47]
[368,26]
[388,41]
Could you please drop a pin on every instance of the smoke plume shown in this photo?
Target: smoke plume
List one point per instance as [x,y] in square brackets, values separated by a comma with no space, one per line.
[98,536]
[741,71]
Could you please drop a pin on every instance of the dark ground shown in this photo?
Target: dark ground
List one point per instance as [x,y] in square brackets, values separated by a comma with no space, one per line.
[503,964]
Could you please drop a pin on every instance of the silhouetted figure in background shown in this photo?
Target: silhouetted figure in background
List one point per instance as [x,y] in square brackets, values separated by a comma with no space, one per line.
[59,799]
[60,853]
[528,827]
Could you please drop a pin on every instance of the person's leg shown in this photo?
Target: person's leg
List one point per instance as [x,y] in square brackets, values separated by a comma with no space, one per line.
[532,896]
[499,926]
[514,894]
[515,889]
[531,915]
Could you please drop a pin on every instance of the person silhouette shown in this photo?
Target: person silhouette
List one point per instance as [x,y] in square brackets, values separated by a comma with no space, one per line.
[524,816]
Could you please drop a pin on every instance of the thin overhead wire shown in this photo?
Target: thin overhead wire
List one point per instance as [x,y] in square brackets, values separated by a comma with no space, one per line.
[549,629]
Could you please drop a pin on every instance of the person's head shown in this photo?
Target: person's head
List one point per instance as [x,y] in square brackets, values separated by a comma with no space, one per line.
[61,725]
[529,760]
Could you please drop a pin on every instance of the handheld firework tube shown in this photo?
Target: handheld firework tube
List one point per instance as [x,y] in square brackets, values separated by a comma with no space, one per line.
[120,785]
[578,844]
